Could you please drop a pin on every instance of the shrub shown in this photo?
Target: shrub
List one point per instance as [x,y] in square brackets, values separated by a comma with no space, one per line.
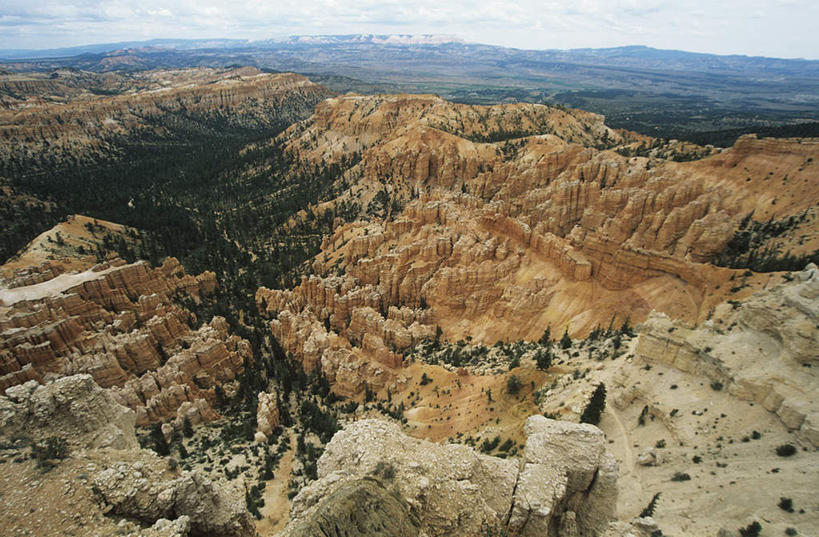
[565,341]
[791,531]
[513,384]
[681,476]
[642,419]
[384,470]
[786,450]
[488,445]
[786,504]
[425,380]
[53,448]
[506,446]
[160,445]
[751,530]
[493,530]
[543,359]
[716,386]
[187,429]
[546,338]
[253,499]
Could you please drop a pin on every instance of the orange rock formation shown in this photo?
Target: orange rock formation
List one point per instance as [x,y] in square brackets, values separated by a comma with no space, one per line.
[125,325]
[500,240]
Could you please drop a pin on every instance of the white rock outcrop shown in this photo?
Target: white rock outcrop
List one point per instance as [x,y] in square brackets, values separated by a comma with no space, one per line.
[267,414]
[74,407]
[565,485]
[138,491]
[768,357]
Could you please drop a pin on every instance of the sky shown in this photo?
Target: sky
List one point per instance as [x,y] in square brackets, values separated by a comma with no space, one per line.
[776,28]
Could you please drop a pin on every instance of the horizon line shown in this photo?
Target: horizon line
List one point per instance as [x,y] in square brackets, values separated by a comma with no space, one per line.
[454,40]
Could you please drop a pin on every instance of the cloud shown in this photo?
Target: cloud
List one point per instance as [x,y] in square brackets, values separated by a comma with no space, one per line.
[762,27]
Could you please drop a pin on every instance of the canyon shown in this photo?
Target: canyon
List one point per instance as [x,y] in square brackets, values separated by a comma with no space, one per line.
[494,246]
[56,119]
[435,254]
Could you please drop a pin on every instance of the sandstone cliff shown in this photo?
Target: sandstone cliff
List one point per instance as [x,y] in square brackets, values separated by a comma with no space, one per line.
[500,239]
[701,414]
[74,408]
[764,351]
[87,126]
[139,491]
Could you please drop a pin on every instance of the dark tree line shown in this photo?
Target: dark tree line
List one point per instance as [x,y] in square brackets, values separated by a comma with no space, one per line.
[750,247]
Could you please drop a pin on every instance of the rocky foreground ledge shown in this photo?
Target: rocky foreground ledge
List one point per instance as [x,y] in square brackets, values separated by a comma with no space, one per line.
[374,480]
[105,476]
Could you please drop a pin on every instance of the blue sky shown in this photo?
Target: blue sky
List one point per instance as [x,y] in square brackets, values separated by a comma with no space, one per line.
[779,28]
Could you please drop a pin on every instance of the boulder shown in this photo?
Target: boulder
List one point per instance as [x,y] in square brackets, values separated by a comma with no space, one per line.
[648,457]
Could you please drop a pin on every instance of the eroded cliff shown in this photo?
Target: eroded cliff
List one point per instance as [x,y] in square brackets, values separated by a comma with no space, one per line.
[127,325]
[498,222]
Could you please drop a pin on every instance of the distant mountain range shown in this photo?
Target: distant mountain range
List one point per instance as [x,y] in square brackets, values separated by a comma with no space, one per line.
[637,56]
[194,44]
[662,92]
[102,48]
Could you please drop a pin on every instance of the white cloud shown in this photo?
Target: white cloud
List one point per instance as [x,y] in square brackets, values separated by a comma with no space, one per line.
[759,27]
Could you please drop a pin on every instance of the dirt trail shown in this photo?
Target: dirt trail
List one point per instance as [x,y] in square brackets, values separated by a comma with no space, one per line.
[623,441]
[276,504]
[629,483]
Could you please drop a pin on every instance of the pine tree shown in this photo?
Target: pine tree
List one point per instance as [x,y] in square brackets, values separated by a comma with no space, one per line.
[546,338]
[543,358]
[160,444]
[652,505]
[187,428]
[565,341]
[597,403]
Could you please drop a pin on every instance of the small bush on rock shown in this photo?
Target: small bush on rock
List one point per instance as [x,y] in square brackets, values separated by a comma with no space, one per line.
[44,453]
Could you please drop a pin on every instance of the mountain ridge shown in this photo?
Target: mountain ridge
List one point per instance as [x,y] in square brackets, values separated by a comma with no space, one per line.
[662,93]
[374,39]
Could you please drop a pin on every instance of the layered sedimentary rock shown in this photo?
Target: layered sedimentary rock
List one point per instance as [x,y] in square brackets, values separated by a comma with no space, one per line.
[565,485]
[361,508]
[501,239]
[81,128]
[763,351]
[128,482]
[126,325]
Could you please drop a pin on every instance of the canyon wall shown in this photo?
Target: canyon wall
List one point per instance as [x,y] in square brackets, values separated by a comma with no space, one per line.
[497,222]
[128,326]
